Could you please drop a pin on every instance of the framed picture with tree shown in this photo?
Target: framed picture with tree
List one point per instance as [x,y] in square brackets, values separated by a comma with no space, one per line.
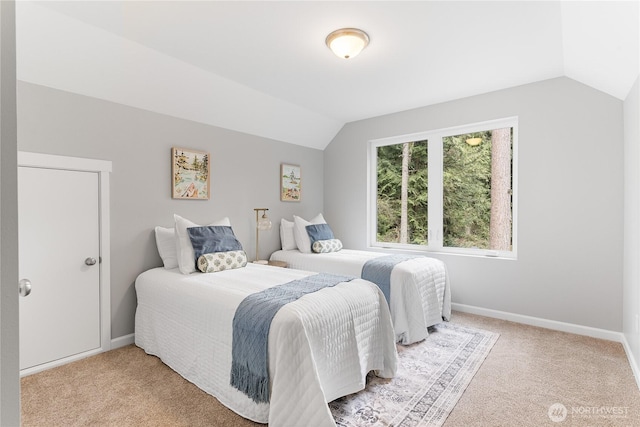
[290,183]
[190,174]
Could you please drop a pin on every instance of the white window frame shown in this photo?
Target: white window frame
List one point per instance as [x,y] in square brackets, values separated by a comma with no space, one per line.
[435,173]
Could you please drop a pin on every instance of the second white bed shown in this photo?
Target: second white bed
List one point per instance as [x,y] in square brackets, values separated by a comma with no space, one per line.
[420,294]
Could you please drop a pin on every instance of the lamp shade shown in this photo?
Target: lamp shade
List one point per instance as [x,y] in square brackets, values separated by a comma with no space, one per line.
[347,42]
[264,223]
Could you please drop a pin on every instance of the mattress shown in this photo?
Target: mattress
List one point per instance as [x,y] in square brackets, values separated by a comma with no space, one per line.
[420,294]
[321,346]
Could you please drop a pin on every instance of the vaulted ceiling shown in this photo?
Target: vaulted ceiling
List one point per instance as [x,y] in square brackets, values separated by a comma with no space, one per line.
[262,67]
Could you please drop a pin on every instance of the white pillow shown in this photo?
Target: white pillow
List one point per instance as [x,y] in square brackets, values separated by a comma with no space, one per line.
[300,232]
[166,243]
[184,249]
[287,239]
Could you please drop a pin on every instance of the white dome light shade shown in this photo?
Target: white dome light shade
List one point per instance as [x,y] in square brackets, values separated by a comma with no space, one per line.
[347,42]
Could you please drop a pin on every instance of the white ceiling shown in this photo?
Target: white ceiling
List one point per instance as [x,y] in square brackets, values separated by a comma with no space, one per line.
[263,68]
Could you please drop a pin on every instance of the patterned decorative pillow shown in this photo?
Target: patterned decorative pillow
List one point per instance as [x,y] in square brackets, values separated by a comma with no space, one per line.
[324,246]
[220,261]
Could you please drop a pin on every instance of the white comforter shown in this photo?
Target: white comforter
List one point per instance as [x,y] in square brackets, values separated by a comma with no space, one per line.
[320,347]
[420,292]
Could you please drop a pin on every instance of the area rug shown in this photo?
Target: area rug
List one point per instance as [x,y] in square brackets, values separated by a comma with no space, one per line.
[431,377]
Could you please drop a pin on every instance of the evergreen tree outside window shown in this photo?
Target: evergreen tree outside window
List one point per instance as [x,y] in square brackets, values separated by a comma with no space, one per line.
[449,190]
[397,221]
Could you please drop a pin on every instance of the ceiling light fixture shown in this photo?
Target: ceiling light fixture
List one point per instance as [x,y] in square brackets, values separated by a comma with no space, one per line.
[347,42]
[474,141]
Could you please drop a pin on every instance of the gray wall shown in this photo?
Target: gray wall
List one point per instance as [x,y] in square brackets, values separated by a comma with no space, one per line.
[569,265]
[631,275]
[9,358]
[244,171]
[570,185]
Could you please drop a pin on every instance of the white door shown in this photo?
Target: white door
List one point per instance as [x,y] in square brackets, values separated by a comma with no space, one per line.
[59,235]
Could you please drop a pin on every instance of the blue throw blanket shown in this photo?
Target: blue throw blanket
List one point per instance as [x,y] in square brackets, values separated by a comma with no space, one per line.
[251,324]
[378,271]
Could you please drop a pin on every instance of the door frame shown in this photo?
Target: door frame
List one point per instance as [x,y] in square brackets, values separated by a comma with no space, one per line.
[103,169]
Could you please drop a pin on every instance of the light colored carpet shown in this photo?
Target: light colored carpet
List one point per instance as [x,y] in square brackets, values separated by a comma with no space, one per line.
[528,370]
[431,377]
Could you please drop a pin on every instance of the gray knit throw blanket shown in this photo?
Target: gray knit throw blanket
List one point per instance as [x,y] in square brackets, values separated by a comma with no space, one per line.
[251,324]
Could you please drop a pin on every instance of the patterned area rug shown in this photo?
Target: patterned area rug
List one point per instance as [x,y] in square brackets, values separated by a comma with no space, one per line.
[431,377]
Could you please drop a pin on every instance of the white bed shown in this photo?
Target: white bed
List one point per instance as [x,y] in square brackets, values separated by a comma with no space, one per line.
[420,294]
[321,346]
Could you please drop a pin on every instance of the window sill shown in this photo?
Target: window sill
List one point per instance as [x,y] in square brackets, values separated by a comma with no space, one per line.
[438,252]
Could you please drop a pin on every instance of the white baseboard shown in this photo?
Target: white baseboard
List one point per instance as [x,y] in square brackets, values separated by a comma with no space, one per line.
[557,326]
[60,362]
[122,341]
[115,343]
[632,360]
[543,323]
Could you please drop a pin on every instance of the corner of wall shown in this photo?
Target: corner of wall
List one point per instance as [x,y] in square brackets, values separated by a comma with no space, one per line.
[631,254]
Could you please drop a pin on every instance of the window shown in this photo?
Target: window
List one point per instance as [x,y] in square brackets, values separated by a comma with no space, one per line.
[449,190]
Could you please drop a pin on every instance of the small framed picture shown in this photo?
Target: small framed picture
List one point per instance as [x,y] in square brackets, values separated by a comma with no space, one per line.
[290,183]
[190,172]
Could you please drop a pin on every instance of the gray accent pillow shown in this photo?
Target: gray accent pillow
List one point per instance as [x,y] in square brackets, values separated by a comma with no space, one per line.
[211,239]
[319,232]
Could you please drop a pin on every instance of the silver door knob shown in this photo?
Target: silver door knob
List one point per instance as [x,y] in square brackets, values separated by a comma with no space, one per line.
[24,287]
[90,261]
